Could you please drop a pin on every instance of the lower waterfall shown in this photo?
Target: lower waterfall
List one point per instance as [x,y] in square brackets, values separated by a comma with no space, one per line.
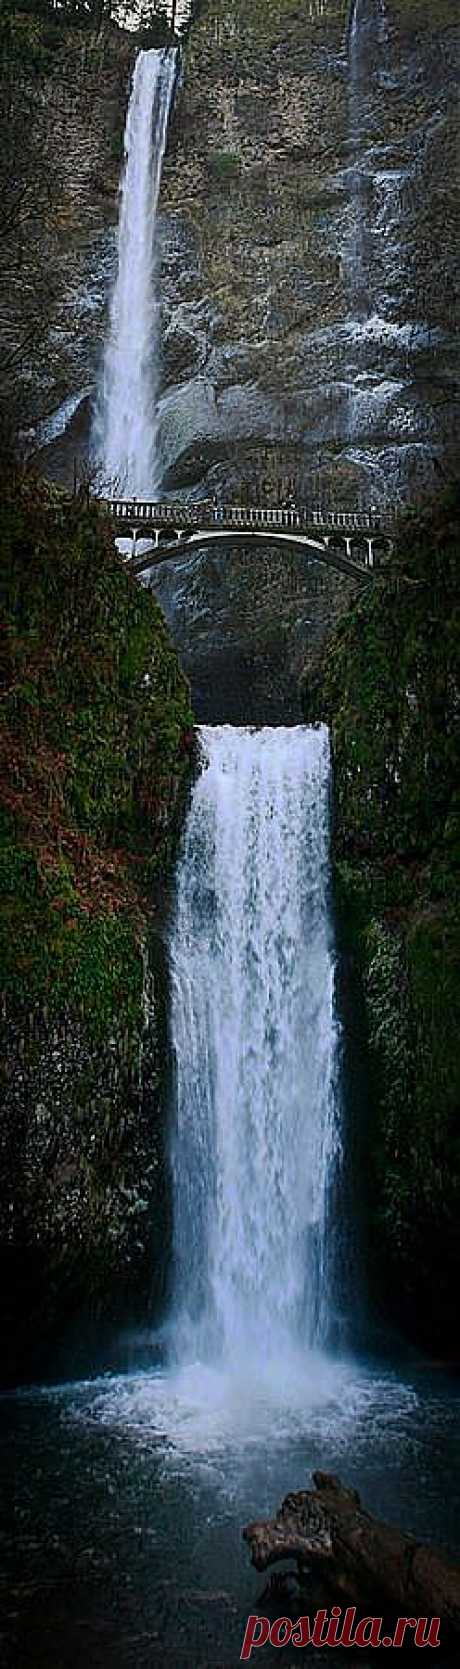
[256,1139]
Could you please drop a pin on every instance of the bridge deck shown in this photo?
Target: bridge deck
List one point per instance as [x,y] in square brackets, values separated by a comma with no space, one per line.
[143,512]
[352,541]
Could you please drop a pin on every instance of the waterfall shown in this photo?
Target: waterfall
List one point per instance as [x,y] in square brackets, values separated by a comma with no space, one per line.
[374,243]
[125,428]
[255,1045]
[362,47]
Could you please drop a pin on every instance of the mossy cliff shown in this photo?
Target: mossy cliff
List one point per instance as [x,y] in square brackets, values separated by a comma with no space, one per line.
[96,752]
[389,687]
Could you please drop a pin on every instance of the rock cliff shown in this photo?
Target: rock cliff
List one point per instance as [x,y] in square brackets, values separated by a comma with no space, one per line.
[308,258]
[307,268]
[62,109]
[309,247]
[389,686]
[96,748]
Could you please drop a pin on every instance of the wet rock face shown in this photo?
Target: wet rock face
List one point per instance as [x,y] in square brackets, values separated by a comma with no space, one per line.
[308,242]
[306,272]
[308,246]
[307,263]
[73,108]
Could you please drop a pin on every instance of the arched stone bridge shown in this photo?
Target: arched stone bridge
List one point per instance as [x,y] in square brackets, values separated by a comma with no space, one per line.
[352,541]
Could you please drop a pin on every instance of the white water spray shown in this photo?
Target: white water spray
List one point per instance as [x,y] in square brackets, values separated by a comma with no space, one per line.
[255,1047]
[125,428]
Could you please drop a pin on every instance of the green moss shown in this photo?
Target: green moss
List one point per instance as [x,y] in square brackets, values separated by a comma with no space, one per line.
[96,750]
[225,165]
[415,14]
[24,44]
[61,957]
[96,739]
[239,30]
[389,687]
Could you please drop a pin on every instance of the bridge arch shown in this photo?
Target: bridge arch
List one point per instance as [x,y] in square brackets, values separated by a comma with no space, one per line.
[252,540]
[350,541]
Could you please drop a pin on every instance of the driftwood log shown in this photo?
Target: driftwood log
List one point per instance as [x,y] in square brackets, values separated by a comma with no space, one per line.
[356,1557]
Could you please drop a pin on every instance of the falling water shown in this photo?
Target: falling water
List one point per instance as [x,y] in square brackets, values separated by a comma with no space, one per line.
[255,1045]
[374,247]
[362,51]
[125,439]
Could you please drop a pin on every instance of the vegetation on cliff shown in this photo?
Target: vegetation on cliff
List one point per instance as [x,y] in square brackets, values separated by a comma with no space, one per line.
[96,738]
[95,755]
[388,684]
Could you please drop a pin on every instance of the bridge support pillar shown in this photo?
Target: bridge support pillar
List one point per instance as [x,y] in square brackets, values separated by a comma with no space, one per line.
[370,553]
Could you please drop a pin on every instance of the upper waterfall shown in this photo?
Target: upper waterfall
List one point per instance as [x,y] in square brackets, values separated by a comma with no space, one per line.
[125,428]
[254,1039]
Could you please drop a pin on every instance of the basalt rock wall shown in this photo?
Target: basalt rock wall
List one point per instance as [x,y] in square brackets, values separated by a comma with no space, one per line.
[62,110]
[96,749]
[306,271]
[308,264]
[309,247]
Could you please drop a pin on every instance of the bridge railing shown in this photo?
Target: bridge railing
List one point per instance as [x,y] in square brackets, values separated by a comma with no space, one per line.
[140,509]
[346,521]
[206,514]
